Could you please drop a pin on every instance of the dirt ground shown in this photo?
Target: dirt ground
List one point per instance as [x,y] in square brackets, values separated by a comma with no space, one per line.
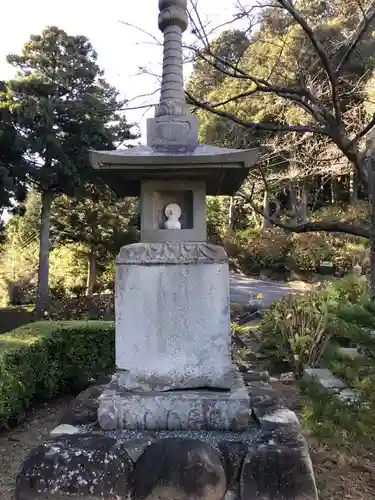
[339,477]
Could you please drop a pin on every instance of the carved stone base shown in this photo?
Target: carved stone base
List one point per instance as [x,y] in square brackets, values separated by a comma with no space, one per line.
[201,409]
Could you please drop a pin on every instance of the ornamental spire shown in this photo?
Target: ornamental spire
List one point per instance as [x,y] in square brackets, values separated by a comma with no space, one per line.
[173,21]
[174,129]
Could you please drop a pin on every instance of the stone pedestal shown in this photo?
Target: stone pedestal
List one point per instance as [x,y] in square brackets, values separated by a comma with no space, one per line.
[193,409]
[172,317]
[173,342]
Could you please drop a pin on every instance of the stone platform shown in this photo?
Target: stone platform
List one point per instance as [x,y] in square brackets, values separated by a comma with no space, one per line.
[268,460]
[192,409]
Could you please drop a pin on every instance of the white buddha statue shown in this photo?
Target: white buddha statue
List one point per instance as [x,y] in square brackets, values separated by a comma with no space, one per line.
[173,213]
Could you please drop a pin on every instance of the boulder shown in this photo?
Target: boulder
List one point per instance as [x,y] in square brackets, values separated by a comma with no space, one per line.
[84,466]
[180,469]
[278,467]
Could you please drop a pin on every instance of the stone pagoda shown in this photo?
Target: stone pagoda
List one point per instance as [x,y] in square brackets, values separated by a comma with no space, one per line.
[173,339]
[176,421]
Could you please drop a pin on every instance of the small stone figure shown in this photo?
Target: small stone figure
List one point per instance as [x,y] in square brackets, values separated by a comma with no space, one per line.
[173,213]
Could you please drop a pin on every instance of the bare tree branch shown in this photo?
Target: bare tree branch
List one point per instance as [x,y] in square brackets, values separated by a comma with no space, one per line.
[265,86]
[365,130]
[307,227]
[156,40]
[297,16]
[270,127]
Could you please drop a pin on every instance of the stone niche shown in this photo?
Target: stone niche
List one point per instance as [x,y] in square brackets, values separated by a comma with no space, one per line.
[189,195]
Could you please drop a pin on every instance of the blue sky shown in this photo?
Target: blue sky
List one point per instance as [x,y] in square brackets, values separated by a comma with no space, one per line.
[121,49]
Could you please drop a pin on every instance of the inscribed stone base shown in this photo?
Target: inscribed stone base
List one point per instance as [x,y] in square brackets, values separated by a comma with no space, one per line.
[172,317]
[194,409]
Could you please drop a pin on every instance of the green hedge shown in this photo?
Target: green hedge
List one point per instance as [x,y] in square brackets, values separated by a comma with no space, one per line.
[40,360]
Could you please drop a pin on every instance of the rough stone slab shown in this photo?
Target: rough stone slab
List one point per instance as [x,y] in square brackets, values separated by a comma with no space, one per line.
[264,399]
[278,467]
[172,321]
[349,352]
[280,417]
[270,410]
[325,378]
[62,429]
[348,396]
[86,466]
[176,410]
[84,408]
[233,453]
[256,375]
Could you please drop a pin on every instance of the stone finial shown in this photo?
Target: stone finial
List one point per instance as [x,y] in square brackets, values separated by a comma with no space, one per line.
[173,130]
[173,21]
[173,12]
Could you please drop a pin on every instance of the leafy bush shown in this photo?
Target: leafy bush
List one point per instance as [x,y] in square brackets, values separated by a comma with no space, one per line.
[68,268]
[295,330]
[308,251]
[355,212]
[298,329]
[273,249]
[257,249]
[351,288]
[100,307]
[217,218]
[40,360]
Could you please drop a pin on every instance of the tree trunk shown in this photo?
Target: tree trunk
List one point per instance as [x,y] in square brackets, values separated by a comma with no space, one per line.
[353,187]
[91,273]
[333,190]
[293,200]
[371,181]
[44,234]
[230,214]
[303,204]
[266,224]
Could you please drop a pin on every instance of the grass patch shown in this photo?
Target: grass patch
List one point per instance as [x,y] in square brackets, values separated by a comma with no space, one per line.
[346,428]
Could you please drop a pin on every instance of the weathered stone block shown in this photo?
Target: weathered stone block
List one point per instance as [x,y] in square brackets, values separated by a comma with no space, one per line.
[85,466]
[172,317]
[325,378]
[179,469]
[233,453]
[84,408]
[278,467]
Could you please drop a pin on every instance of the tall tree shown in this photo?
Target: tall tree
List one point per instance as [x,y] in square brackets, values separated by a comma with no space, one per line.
[323,57]
[13,166]
[64,107]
